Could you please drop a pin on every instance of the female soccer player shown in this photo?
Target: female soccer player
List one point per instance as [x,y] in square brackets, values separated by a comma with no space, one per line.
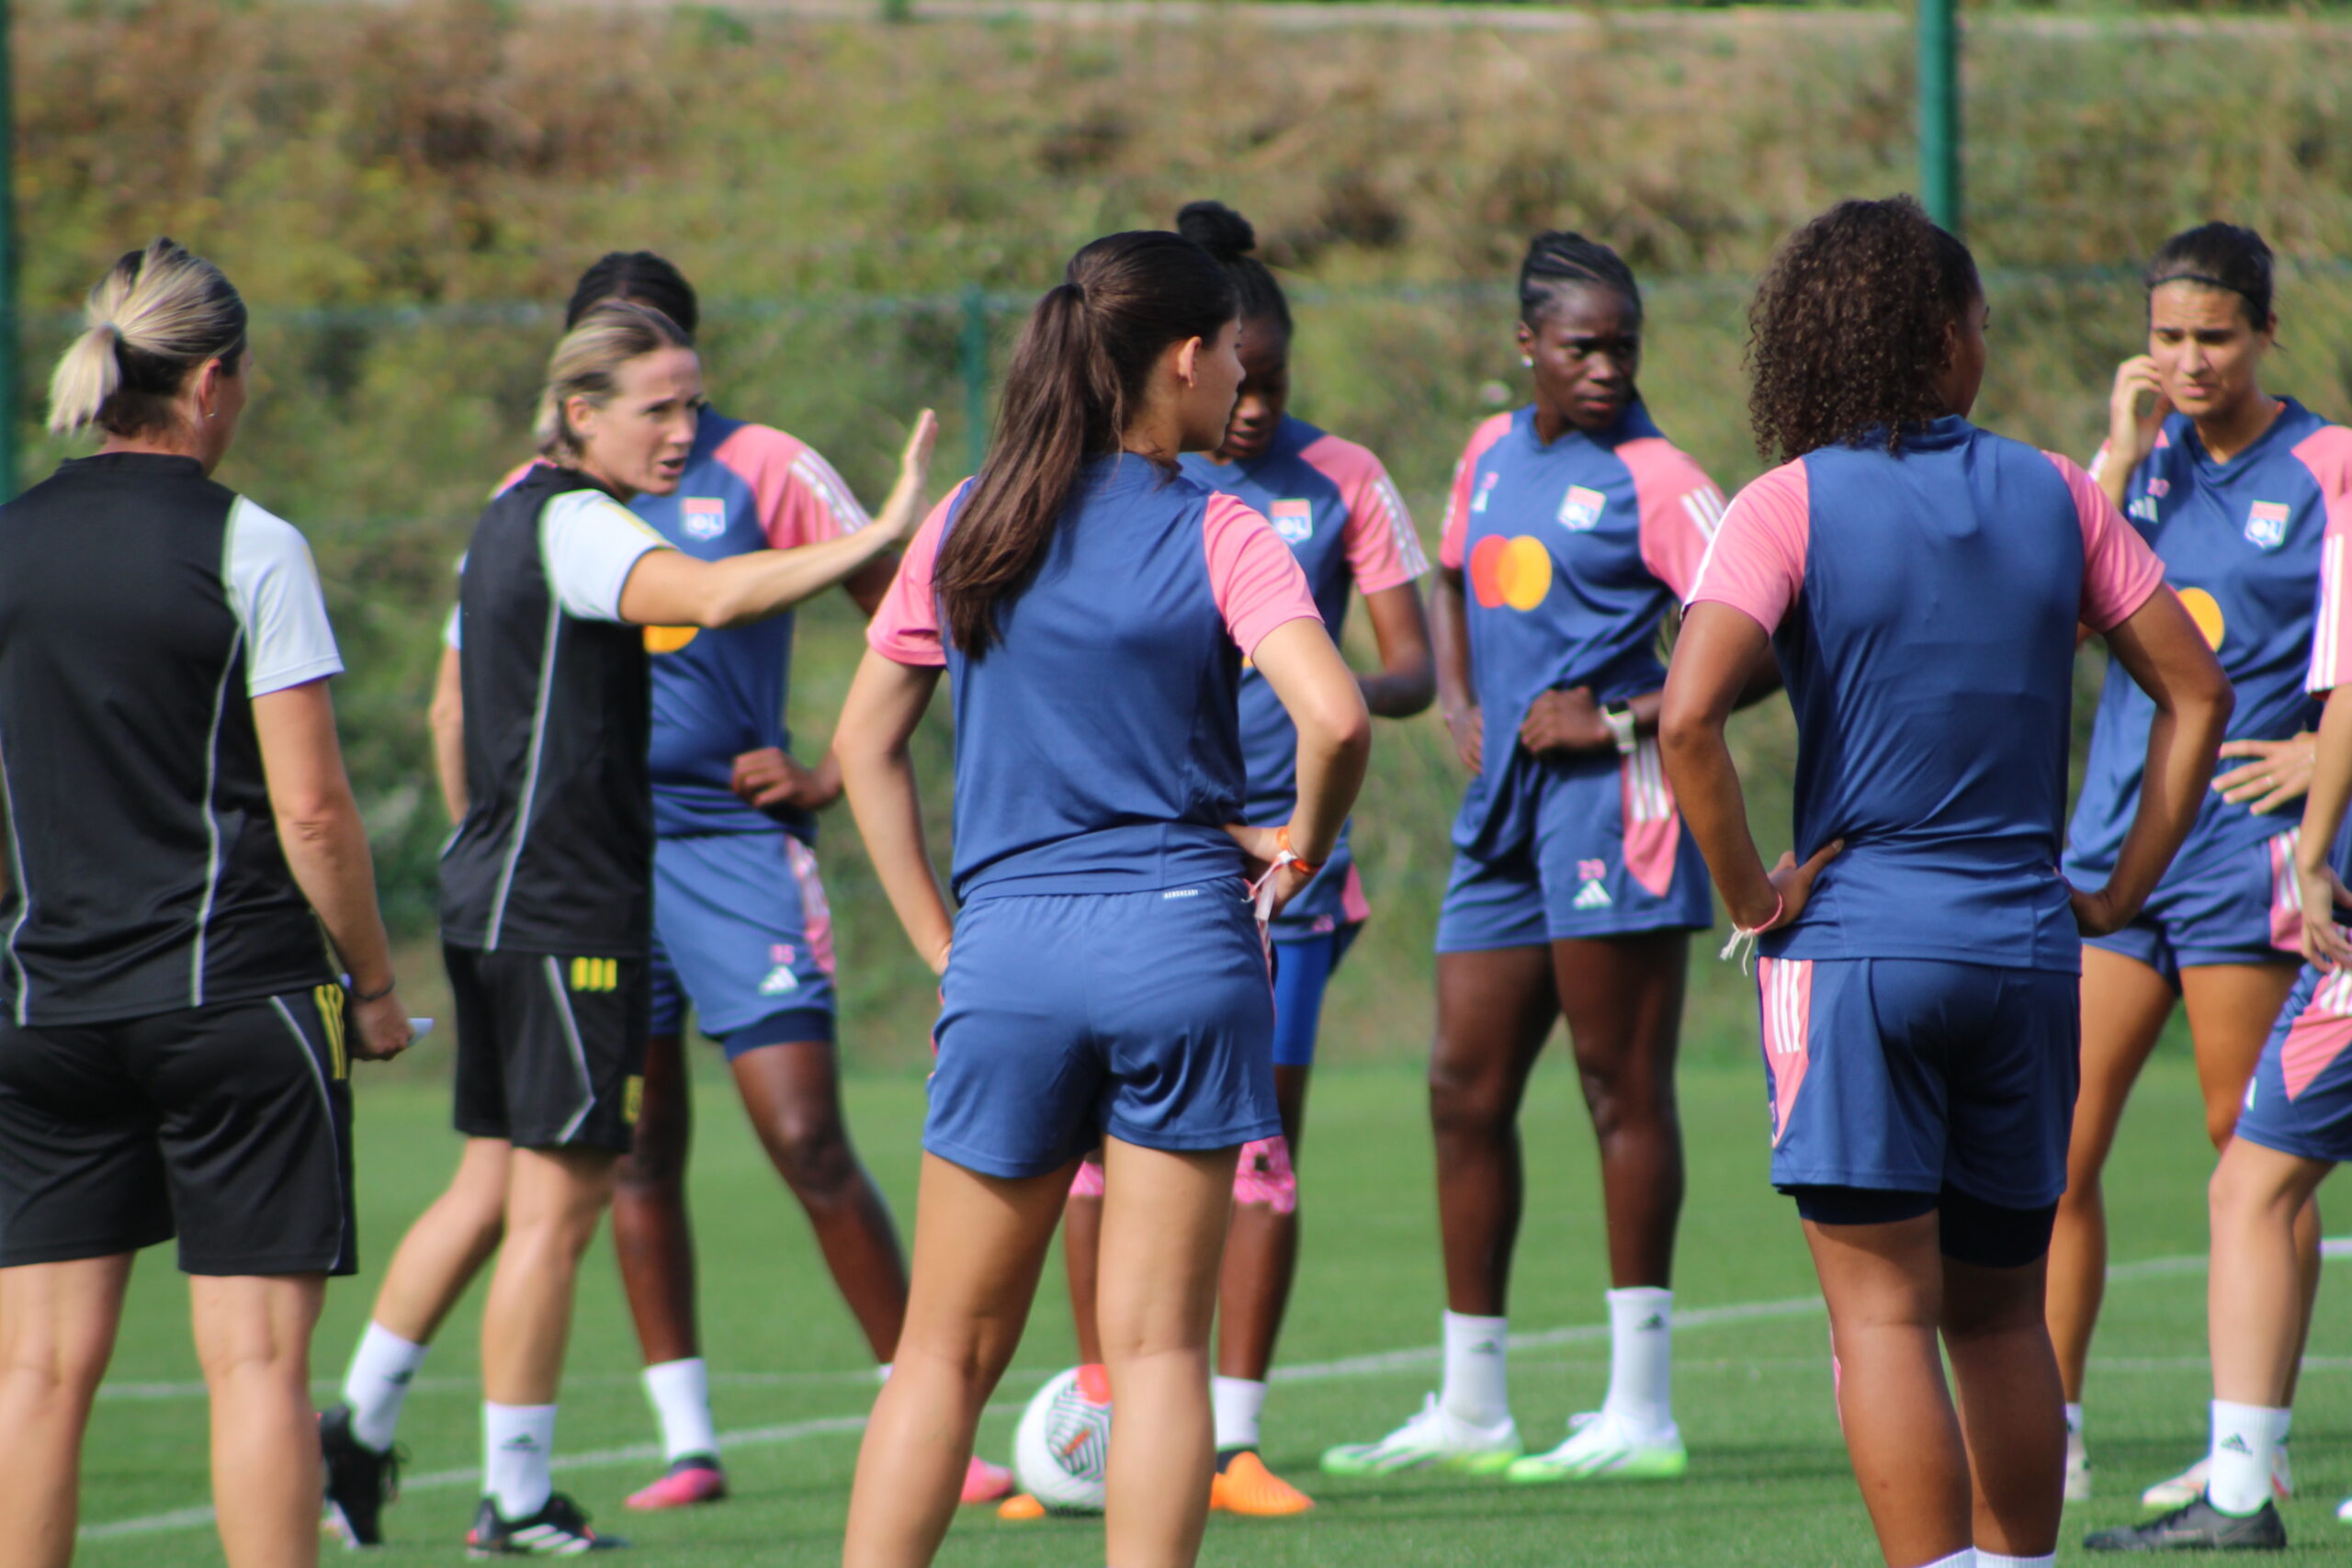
[1332,502]
[2296,1124]
[1574,526]
[1093,608]
[1921,580]
[546,886]
[2226,482]
[174,1043]
[740,925]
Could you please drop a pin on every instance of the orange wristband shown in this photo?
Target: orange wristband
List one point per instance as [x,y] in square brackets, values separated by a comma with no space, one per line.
[1282,842]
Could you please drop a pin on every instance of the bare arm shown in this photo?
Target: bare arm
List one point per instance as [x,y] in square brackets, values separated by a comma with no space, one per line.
[1319,693]
[448,716]
[1714,667]
[2330,788]
[326,849]
[1457,698]
[2161,649]
[886,702]
[669,588]
[1407,677]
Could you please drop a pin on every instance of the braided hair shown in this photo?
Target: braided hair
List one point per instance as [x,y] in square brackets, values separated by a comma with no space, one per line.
[1562,258]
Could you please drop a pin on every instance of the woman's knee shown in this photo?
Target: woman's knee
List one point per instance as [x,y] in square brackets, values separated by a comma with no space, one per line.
[657,1155]
[810,1148]
[1470,1099]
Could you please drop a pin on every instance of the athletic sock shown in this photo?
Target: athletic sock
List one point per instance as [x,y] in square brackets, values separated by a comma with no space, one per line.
[2246,1437]
[1641,1360]
[1477,1390]
[516,1440]
[681,1394]
[1237,1402]
[882,1372]
[377,1384]
[2074,1420]
[1968,1559]
[1995,1560]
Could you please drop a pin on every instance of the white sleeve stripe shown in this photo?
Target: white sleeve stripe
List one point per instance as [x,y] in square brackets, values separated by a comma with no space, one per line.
[1400,527]
[272,585]
[818,476]
[2325,635]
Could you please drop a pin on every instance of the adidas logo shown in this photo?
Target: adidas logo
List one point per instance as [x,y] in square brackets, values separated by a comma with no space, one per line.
[400,1379]
[1651,1324]
[780,979]
[2233,1444]
[1594,896]
[520,1443]
[1487,1348]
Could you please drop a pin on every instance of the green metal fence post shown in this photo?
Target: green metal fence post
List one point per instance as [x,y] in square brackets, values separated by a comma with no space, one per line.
[7,266]
[973,357]
[1939,111]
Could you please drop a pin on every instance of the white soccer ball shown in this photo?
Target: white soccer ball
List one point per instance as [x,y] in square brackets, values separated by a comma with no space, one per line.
[1062,1449]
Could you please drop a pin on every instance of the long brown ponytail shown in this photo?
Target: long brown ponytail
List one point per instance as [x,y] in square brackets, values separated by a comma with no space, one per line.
[1078,374]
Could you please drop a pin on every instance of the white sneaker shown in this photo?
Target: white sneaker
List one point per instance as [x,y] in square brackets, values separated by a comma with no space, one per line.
[1601,1447]
[2343,1510]
[2078,1469]
[2189,1485]
[1432,1439]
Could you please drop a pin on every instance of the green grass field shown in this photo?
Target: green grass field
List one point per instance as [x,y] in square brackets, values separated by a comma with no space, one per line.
[1768,1479]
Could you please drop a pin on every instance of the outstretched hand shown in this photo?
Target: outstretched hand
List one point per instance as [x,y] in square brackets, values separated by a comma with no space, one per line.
[904,508]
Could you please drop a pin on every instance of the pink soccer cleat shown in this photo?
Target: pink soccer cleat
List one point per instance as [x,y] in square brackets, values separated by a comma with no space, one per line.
[694,1479]
[985,1482]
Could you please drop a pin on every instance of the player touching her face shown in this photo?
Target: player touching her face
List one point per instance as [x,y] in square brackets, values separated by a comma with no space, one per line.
[1920,582]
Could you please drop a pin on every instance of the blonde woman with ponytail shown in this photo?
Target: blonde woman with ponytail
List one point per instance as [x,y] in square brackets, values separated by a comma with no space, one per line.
[546,895]
[173,1038]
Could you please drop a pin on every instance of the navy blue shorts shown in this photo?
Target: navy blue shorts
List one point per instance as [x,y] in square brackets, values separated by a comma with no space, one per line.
[1147,1017]
[1911,1074]
[2301,1100]
[741,931]
[2245,906]
[1607,857]
[1303,971]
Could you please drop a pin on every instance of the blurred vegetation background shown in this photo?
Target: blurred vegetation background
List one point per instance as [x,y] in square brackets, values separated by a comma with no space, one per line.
[406,192]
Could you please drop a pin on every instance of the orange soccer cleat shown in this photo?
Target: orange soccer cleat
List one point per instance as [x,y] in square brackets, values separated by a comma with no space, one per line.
[1246,1486]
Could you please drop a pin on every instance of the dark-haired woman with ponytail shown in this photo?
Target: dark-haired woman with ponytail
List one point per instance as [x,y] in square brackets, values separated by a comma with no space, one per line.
[1920,582]
[1574,528]
[1092,608]
[2231,486]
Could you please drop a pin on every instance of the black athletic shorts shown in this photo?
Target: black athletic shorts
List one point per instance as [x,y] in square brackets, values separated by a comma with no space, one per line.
[550,1050]
[228,1126]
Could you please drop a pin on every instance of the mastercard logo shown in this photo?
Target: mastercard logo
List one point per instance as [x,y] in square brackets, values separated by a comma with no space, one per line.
[668,640]
[1517,572]
[2206,610]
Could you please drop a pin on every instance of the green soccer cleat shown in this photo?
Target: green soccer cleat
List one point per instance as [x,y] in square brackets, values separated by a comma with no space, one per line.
[1430,1440]
[1601,1447]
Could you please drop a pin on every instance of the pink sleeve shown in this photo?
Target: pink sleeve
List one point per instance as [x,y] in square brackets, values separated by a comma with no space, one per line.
[1383,550]
[1458,505]
[2328,454]
[1680,510]
[1756,563]
[802,500]
[514,475]
[2119,571]
[905,628]
[1256,580]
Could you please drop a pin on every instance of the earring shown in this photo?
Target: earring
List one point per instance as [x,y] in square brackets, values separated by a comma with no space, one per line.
[1527,361]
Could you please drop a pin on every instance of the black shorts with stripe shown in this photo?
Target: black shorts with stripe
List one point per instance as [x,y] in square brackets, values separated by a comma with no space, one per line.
[550,1048]
[228,1126]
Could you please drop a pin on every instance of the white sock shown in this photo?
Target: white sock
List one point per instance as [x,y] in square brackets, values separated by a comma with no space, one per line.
[1968,1559]
[882,1372]
[1641,1360]
[2286,1425]
[1995,1560]
[1477,1390]
[681,1394]
[1237,1402]
[2246,1437]
[378,1382]
[2074,1420]
[516,1441]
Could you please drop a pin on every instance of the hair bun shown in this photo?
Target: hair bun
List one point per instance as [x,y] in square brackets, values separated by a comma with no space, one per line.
[1216,229]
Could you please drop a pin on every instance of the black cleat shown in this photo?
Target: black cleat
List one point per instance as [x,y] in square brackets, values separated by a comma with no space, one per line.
[2200,1526]
[359,1480]
[558,1529]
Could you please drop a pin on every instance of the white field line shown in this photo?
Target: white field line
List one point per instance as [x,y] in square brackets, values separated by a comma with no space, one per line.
[1309,1372]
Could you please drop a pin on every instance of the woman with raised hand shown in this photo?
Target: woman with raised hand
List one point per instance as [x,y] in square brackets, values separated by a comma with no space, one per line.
[1105,980]
[1921,580]
[1333,504]
[1574,526]
[175,1043]
[546,888]
[2229,485]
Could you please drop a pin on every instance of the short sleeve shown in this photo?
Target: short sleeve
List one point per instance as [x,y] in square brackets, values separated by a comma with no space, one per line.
[2119,571]
[590,543]
[800,499]
[1680,510]
[1382,548]
[1756,561]
[1255,578]
[1452,540]
[274,592]
[905,628]
[2328,454]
